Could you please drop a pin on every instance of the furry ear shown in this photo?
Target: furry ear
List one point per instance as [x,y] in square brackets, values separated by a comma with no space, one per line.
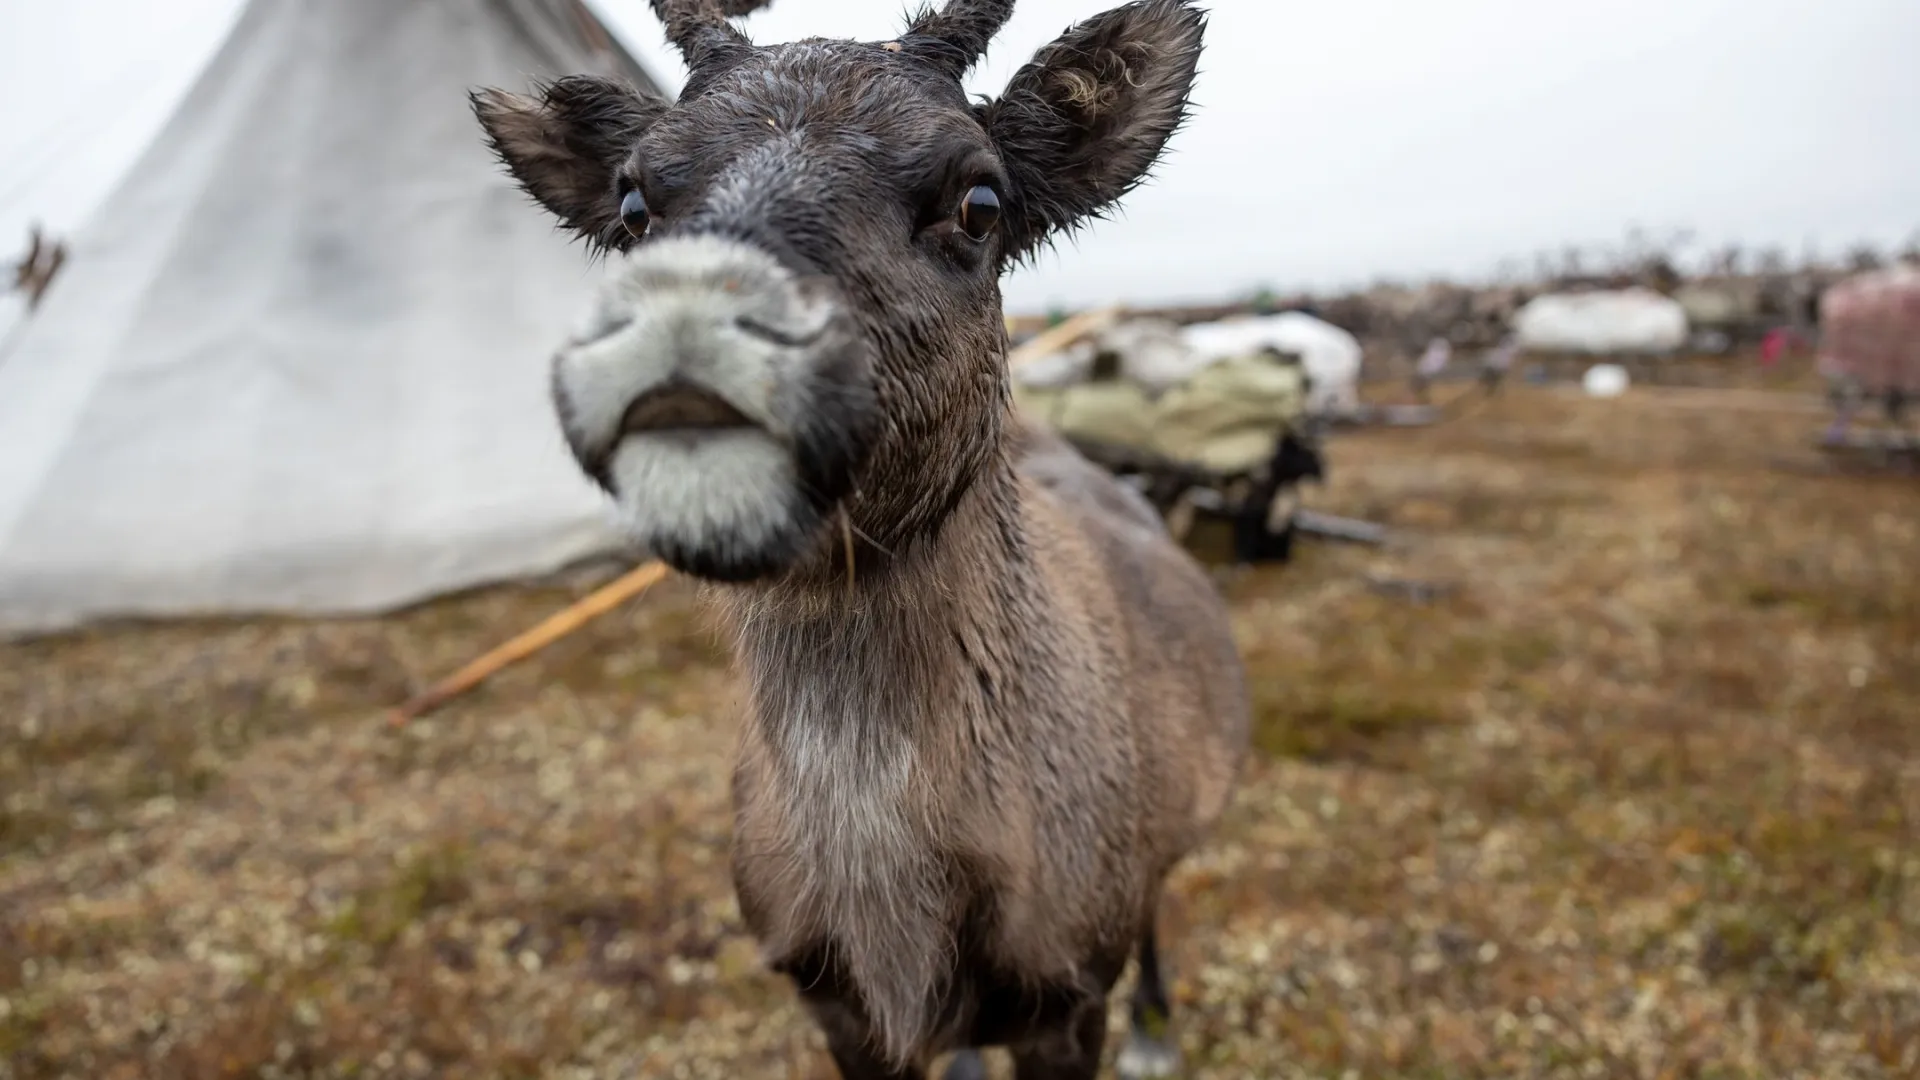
[565,145]
[1083,122]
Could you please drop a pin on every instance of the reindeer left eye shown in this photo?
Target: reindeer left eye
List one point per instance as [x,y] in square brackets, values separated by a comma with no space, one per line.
[979,212]
[633,214]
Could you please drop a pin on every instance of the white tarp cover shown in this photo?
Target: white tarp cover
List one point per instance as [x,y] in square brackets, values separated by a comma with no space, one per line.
[1632,320]
[1152,355]
[297,362]
[1157,355]
[1330,355]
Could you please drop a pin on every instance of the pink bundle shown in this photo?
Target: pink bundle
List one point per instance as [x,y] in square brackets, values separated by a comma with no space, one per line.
[1870,330]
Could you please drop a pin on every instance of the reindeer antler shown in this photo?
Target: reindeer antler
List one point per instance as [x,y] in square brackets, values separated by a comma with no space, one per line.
[699,29]
[957,36]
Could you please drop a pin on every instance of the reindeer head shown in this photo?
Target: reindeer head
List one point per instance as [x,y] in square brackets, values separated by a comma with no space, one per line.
[805,316]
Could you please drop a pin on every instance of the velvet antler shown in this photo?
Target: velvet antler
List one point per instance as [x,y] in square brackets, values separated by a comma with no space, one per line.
[699,28]
[956,36]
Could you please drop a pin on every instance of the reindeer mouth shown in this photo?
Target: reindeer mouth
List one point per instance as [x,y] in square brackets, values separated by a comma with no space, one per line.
[677,408]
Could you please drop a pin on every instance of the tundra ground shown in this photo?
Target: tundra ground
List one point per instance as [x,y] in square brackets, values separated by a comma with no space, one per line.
[1634,793]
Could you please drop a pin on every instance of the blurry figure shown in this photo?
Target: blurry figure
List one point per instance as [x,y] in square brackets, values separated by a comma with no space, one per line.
[1776,344]
[1712,342]
[1846,398]
[1495,365]
[1431,363]
[1263,522]
[1771,346]
[34,273]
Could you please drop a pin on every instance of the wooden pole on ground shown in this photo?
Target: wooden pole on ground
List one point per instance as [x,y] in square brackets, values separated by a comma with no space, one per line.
[552,629]
[1054,338]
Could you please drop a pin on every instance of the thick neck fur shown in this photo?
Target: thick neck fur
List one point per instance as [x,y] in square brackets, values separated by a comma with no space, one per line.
[873,708]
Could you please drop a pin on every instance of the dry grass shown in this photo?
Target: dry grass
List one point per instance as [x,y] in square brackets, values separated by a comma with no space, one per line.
[1640,797]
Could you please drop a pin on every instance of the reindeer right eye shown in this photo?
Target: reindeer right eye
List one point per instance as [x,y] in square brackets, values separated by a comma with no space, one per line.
[979,212]
[633,213]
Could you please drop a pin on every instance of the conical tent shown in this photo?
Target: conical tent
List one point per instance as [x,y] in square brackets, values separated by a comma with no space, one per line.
[297,362]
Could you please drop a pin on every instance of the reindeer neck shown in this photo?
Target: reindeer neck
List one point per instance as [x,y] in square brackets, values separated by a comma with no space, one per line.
[937,625]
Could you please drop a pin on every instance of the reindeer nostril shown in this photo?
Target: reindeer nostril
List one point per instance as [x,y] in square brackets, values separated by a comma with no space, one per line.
[777,335]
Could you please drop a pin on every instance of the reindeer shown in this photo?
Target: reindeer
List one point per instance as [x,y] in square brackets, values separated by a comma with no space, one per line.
[990,702]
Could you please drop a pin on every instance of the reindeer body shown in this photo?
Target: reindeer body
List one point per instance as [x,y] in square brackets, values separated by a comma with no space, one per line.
[991,702]
[962,786]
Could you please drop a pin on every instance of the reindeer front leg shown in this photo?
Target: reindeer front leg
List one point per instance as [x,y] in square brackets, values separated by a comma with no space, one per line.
[850,1041]
[1071,1052]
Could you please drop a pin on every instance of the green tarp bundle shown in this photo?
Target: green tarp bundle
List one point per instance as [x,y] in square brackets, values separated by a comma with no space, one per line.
[1225,419]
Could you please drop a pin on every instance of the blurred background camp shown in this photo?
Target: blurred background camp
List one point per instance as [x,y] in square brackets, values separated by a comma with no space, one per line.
[1343,142]
[1535,379]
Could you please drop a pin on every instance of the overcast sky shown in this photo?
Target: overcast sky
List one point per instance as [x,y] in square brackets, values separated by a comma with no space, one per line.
[1334,142]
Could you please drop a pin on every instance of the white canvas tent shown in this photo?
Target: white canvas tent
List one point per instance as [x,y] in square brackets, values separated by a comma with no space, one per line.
[297,361]
[1633,320]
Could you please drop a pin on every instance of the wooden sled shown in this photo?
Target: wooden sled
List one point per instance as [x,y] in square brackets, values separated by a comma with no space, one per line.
[1262,505]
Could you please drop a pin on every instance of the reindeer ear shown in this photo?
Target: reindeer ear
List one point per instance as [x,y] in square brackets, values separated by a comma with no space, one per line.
[1083,122]
[564,146]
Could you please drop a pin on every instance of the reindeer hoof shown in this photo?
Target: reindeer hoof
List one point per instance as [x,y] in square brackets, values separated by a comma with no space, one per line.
[1147,1058]
[966,1065]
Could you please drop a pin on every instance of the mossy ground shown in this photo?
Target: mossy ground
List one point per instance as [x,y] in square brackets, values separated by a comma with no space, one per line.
[1638,796]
